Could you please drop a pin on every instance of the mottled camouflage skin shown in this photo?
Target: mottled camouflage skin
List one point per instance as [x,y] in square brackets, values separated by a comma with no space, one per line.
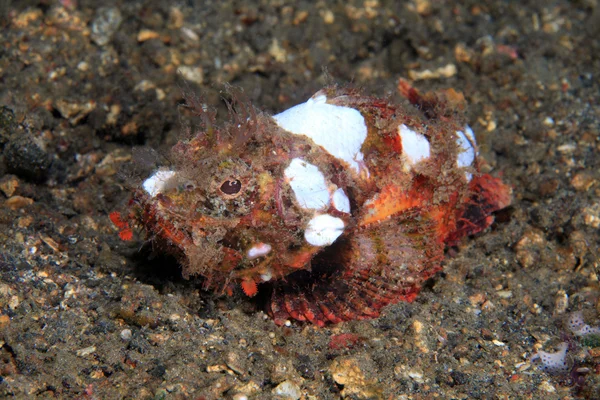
[394,238]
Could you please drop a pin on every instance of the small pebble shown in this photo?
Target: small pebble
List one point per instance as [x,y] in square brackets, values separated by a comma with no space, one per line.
[106,23]
[86,351]
[26,157]
[288,390]
[447,71]
[126,334]
[548,121]
[18,202]
[146,34]
[192,74]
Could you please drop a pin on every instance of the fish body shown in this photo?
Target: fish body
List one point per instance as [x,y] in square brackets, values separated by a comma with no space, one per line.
[340,205]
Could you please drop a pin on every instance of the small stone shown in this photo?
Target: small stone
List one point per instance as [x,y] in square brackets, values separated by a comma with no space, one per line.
[130,128]
[220,386]
[594,353]
[4,321]
[405,372]
[567,148]
[300,17]
[53,244]
[561,302]
[579,243]
[328,16]
[277,52]
[112,162]
[347,371]
[176,18]
[420,338]
[477,299]
[9,184]
[25,221]
[281,371]
[25,156]
[547,387]
[548,121]
[189,36]
[216,368]
[446,71]
[582,181]
[28,16]
[106,23]
[147,34]
[86,351]
[248,389]
[5,290]
[528,247]
[287,390]
[422,7]
[74,110]
[236,362]
[548,187]
[14,302]
[591,216]
[18,202]
[192,74]
[487,334]
[351,372]
[463,54]
[83,66]
[126,334]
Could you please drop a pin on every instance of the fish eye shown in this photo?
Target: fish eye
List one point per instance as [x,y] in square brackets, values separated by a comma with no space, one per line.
[231,187]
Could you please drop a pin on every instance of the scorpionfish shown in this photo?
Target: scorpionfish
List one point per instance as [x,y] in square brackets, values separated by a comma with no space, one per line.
[338,206]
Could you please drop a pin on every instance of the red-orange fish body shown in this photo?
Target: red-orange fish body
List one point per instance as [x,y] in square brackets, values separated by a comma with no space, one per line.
[342,204]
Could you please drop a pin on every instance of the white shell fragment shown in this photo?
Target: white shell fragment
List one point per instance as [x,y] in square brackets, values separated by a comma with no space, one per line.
[340,201]
[159,182]
[259,250]
[340,130]
[415,146]
[323,230]
[466,143]
[308,184]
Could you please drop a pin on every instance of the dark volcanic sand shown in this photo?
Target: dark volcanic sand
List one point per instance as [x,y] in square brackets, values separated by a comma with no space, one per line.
[85,315]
